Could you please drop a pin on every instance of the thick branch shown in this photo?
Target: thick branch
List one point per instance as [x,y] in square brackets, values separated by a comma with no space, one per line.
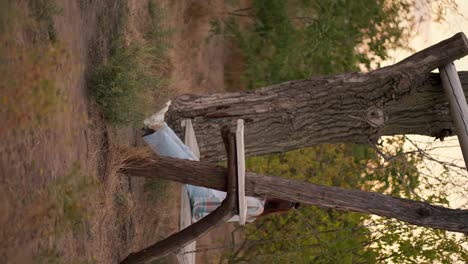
[223,213]
[437,55]
[351,107]
[211,176]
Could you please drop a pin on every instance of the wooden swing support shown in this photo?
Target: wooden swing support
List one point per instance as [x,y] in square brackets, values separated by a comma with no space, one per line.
[458,107]
[228,208]
[235,202]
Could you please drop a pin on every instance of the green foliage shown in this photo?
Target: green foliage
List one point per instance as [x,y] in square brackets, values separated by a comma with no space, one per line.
[396,174]
[399,242]
[157,33]
[44,11]
[125,87]
[284,40]
[156,189]
[311,234]
[316,235]
[296,39]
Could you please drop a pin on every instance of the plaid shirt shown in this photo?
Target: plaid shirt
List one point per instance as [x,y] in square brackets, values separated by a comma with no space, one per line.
[202,206]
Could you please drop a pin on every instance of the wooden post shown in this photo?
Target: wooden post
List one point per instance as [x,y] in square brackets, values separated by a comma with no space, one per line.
[458,107]
[241,171]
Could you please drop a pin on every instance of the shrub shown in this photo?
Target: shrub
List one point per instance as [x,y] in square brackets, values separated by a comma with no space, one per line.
[125,86]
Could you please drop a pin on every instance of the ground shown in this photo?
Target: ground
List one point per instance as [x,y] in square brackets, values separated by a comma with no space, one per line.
[61,199]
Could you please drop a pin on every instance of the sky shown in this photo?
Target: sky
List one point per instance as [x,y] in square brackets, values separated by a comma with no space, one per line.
[429,34]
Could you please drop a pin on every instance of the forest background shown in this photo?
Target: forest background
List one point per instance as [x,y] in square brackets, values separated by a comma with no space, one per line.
[286,40]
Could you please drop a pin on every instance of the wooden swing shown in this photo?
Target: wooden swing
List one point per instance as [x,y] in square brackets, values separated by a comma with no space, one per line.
[235,199]
[186,254]
[234,204]
[458,109]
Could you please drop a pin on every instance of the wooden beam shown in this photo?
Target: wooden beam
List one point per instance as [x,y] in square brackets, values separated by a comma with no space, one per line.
[289,115]
[458,107]
[211,176]
[437,55]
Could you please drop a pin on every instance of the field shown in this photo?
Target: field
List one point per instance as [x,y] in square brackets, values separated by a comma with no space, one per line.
[61,200]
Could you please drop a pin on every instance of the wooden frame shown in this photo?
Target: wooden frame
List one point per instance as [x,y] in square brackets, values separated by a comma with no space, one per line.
[458,107]
[221,214]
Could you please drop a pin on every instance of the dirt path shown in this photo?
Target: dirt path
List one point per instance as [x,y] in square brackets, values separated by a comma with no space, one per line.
[44,165]
[59,199]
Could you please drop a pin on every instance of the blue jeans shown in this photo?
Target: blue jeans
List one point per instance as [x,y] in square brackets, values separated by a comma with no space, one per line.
[165,143]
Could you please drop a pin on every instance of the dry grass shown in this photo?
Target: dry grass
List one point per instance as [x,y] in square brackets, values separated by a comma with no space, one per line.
[29,94]
[127,85]
[63,206]
[56,213]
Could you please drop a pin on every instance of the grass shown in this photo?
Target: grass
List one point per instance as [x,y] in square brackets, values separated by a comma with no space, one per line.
[29,93]
[44,11]
[53,256]
[84,4]
[156,189]
[51,213]
[126,86]
[70,199]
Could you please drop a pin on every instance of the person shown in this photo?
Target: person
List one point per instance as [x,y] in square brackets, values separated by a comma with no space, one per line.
[164,142]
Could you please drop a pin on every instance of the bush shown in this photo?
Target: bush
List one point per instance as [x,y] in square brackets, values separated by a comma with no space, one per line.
[125,86]
[297,39]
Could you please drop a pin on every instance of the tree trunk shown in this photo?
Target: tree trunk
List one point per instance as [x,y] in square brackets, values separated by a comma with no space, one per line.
[212,176]
[350,107]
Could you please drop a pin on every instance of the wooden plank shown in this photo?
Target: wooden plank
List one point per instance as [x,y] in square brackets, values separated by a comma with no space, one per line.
[190,140]
[186,255]
[241,172]
[458,107]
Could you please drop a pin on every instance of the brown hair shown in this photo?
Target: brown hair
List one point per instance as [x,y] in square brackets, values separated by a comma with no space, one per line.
[277,206]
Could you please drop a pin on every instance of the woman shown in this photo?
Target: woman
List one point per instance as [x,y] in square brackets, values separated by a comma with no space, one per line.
[163,141]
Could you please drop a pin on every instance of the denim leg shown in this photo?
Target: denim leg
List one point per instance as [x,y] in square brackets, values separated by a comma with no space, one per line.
[165,143]
[199,192]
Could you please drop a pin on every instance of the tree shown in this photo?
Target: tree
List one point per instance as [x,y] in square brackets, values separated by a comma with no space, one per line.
[352,107]
[264,30]
[279,41]
[352,97]
[313,234]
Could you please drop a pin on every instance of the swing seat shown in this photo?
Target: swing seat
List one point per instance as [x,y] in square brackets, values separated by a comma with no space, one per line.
[186,255]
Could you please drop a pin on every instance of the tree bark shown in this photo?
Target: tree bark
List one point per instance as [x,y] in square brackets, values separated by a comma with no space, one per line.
[212,176]
[352,107]
[227,209]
